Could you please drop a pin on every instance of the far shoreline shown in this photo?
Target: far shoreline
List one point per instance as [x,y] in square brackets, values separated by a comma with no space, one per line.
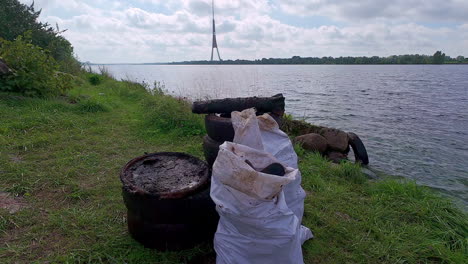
[231,64]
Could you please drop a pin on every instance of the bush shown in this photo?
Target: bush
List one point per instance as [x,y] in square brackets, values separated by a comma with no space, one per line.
[95,79]
[35,72]
[17,19]
[63,82]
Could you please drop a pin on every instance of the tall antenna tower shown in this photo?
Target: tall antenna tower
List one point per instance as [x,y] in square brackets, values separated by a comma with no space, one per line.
[215,44]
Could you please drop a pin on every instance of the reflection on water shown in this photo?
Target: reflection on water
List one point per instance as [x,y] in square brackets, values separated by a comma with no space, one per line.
[413,119]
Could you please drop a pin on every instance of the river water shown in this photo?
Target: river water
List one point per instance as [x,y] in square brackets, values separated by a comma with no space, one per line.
[413,119]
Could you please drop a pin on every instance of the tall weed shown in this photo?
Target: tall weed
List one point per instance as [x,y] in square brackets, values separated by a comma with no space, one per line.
[105,72]
[168,114]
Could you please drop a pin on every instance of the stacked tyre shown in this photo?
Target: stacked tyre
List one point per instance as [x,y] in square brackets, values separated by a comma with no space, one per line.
[219,129]
[169,221]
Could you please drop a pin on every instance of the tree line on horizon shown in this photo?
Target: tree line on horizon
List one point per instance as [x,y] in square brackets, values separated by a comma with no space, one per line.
[437,58]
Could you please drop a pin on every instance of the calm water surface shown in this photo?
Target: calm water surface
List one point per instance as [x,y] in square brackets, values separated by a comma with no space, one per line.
[413,119]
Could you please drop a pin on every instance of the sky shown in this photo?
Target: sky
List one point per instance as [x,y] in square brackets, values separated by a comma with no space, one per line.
[143,31]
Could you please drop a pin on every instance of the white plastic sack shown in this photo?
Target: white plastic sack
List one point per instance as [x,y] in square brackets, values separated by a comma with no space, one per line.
[263,133]
[256,225]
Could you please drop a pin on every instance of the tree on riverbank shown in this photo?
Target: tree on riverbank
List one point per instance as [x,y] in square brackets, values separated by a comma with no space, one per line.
[438,57]
[41,60]
[16,19]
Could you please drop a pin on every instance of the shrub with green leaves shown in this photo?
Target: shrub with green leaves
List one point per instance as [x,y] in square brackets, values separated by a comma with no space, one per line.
[95,79]
[34,70]
[17,18]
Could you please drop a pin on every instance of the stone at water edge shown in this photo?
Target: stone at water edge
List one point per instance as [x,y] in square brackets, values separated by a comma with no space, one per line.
[337,140]
[312,142]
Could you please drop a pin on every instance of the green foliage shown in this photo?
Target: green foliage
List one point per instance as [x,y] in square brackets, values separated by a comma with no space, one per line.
[350,171]
[300,151]
[35,72]
[16,19]
[95,79]
[70,64]
[163,113]
[91,106]
[168,114]
[63,81]
[438,57]
[288,117]
[388,221]
[298,127]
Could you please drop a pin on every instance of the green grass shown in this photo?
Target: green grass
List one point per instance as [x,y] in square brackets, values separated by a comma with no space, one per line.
[389,221]
[63,157]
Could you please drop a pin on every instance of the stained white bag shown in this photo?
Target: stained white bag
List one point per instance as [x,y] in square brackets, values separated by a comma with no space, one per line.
[257,224]
[263,133]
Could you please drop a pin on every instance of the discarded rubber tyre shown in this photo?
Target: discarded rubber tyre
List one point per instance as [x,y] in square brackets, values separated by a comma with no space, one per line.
[277,118]
[360,152]
[219,128]
[210,149]
[169,220]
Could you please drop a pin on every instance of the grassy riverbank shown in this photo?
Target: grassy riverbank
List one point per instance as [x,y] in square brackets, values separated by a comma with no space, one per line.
[62,156]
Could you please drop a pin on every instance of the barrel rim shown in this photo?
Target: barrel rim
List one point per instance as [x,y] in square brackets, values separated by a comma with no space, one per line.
[130,187]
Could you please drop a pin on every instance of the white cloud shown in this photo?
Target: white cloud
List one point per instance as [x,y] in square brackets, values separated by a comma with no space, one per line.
[181,30]
[362,10]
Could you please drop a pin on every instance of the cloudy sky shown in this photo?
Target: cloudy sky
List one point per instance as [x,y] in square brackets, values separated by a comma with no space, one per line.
[113,31]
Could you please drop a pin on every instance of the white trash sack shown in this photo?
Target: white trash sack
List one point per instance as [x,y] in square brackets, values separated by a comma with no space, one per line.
[263,133]
[256,224]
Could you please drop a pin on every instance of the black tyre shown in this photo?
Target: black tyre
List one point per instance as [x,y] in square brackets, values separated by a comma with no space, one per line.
[360,152]
[219,128]
[210,149]
[277,118]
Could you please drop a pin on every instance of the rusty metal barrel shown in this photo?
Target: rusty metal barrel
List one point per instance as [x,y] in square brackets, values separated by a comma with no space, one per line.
[167,195]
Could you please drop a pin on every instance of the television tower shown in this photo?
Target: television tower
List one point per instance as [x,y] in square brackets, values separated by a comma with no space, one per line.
[215,44]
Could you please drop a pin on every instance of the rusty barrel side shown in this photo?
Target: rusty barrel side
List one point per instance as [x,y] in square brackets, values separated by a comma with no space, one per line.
[170,219]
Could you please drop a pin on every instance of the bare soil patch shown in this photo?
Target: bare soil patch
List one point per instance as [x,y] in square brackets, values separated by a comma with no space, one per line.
[10,203]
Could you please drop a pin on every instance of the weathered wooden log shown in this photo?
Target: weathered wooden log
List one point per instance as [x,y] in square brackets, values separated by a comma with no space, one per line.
[273,104]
